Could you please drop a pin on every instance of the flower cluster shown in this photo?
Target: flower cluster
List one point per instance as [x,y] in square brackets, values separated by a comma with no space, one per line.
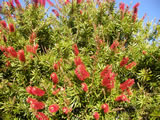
[135,11]
[105,108]
[35,91]
[114,45]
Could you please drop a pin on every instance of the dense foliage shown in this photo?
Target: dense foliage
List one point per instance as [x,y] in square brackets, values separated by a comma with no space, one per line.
[85,60]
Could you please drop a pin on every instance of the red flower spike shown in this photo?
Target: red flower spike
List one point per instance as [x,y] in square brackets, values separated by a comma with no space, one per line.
[125,85]
[37,91]
[66,110]
[75,49]
[78,61]
[81,72]
[4,38]
[84,87]
[55,66]
[122,98]
[37,105]
[114,45]
[122,6]
[105,108]
[32,49]
[107,69]
[53,108]
[12,52]
[132,64]
[136,5]
[54,78]
[56,91]
[79,1]
[21,55]
[3,23]
[18,4]
[96,116]
[11,27]
[32,37]
[41,116]
[124,61]
[135,11]
[66,2]
[31,100]
[50,3]
[55,12]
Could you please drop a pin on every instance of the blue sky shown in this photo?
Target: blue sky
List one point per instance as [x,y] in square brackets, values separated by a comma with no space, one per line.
[150,7]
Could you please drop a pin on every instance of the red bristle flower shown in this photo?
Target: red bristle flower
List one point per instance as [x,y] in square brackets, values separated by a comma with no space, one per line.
[3,48]
[78,61]
[124,61]
[144,52]
[122,98]
[31,100]
[125,85]
[41,116]
[81,72]
[12,52]
[107,69]
[37,91]
[135,11]
[122,6]
[105,108]
[114,45]
[55,12]
[136,5]
[55,66]
[18,4]
[54,78]
[84,87]
[109,80]
[4,38]
[66,2]
[11,27]
[75,49]
[132,64]
[21,55]
[37,105]
[8,63]
[96,116]
[32,49]
[3,23]
[66,110]
[79,1]
[32,37]
[29,89]
[55,92]
[50,3]
[53,108]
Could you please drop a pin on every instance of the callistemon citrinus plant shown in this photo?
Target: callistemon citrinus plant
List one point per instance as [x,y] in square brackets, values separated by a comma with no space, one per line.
[77,60]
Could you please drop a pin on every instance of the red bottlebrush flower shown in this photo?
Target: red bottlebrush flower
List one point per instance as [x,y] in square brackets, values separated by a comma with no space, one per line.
[78,61]
[84,87]
[135,11]
[109,80]
[105,108]
[55,12]
[96,116]
[37,105]
[21,55]
[75,49]
[50,3]
[66,2]
[55,66]
[144,16]
[81,72]
[122,6]
[8,63]
[32,37]
[54,78]
[54,86]
[53,108]
[66,110]
[32,49]
[29,89]
[136,5]
[124,61]
[125,85]
[3,23]
[114,45]
[144,52]
[11,27]
[31,100]
[107,69]
[41,116]
[56,91]
[12,52]
[3,48]
[18,4]
[37,91]
[4,38]
[79,1]
[132,64]
[122,98]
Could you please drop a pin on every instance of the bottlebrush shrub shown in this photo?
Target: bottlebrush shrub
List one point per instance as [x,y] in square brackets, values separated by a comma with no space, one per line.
[77,60]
